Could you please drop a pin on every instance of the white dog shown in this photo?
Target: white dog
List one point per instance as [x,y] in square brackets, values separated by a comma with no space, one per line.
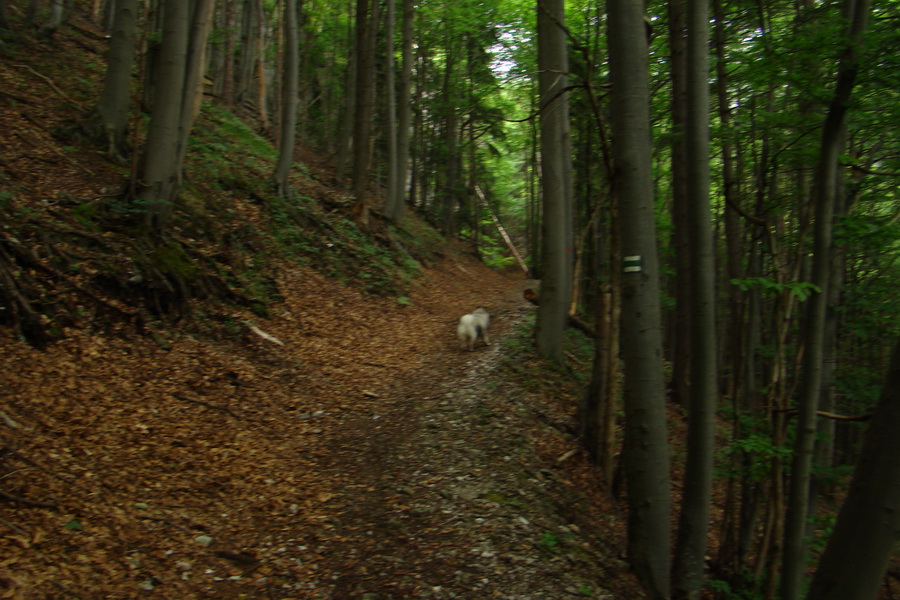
[473,326]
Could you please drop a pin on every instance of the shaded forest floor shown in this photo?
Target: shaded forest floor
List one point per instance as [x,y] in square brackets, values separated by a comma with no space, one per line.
[369,456]
[276,432]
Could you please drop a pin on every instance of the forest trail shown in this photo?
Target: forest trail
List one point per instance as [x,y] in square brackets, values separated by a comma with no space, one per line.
[444,495]
[364,454]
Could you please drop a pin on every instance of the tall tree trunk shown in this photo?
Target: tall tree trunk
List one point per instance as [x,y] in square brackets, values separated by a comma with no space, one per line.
[366,28]
[228,62]
[195,68]
[394,187]
[59,13]
[159,169]
[247,60]
[395,211]
[345,139]
[556,179]
[693,526]
[679,321]
[111,114]
[601,402]
[451,187]
[535,206]
[4,20]
[865,535]
[289,99]
[856,13]
[645,452]
[262,88]
[738,352]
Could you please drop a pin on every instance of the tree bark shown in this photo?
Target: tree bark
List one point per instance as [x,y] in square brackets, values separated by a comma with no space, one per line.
[693,525]
[195,68]
[247,60]
[404,110]
[111,114]
[645,451]
[4,20]
[394,188]
[59,13]
[678,328]
[289,99]
[228,62]
[741,321]
[345,139]
[159,169]
[451,189]
[795,546]
[366,27]
[864,537]
[556,180]
[262,87]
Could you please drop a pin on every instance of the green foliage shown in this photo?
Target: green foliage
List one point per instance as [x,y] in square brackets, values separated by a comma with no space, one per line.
[754,454]
[493,254]
[549,542]
[858,386]
[74,525]
[521,342]
[170,259]
[801,289]
[725,591]
[87,213]
[823,526]
[496,260]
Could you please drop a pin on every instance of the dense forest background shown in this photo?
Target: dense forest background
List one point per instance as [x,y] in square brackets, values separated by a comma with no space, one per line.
[709,191]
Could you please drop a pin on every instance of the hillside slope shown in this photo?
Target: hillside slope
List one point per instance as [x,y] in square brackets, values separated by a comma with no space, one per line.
[368,454]
[268,403]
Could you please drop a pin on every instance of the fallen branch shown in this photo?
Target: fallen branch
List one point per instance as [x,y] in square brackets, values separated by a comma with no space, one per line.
[568,455]
[792,412]
[263,334]
[463,269]
[500,228]
[50,82]
[8,420]
[15,528]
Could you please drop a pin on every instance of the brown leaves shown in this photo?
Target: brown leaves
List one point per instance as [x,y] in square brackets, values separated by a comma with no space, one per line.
[144,448]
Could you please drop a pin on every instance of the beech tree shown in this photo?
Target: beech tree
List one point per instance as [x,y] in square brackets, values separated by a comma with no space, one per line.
[176,89]
[556,180]
[158,169]
[289,98]
[367,19]
[397,196]
[645,448]
[865,534]
[856,13]
[59,13]
[394,188]
[108,122]
[702,387]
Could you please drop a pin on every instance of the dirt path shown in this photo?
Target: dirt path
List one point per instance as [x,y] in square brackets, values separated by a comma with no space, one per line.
[366,456]
[446,493]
